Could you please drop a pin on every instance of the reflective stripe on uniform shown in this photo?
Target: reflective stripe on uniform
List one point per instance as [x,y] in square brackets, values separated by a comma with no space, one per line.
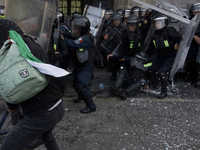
[147,65]
[166,43]
[55,46]
[131,45]
[154,42]
[139,44]
[80,49]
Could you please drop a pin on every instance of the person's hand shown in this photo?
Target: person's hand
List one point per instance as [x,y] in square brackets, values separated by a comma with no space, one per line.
[197,39]
[61,31]
[9,110]
[110,55]
[106,37]
[176,46]
[56,52]
[121,59]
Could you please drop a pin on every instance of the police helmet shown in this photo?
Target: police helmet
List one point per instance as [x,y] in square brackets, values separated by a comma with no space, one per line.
[136,10]
[2,8]
[116,17]
[109,12]
[160,22]
[127,13]
[61,15]
[60,18]
[120,11]
[74,15]
[132,20]
[195,8]
[143,12]
[80,26]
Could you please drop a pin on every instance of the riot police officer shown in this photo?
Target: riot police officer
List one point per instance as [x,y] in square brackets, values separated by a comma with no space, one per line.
[131,42]
[165,42]
[144,22]
[2,8]
[107,21]
[60,48]
[193,56]
[112,40]
[74,15]
[83,60]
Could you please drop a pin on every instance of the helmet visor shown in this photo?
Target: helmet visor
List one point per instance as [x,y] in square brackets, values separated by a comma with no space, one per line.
[76,30]
[196,8]
[136,11]
[159,23]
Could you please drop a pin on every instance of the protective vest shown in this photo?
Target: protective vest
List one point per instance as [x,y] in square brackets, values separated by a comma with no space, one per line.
[133,44]
[85,55]
[119,30]
[134,41]
[161,40]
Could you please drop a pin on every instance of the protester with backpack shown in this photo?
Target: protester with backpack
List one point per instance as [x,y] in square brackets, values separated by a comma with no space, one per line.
[40,112]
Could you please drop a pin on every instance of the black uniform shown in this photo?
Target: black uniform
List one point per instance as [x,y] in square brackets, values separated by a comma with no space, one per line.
[111,46]
[144,25]
[130,75]
[192,68]
[83,56]
[163,41]
[131,43]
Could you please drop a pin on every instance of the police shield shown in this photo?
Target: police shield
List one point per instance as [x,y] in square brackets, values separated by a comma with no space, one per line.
[96,17]
[35,18]
[188,33]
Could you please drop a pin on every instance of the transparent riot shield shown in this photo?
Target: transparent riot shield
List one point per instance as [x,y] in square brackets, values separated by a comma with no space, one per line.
[185,45]
[35,18]
[56,2]
[191,26]
[96,17]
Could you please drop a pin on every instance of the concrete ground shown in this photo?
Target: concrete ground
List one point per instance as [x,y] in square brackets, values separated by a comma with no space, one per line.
[141,122]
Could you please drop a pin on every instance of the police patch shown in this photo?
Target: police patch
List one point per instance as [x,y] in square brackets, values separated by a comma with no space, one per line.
[77,41]
[80,39]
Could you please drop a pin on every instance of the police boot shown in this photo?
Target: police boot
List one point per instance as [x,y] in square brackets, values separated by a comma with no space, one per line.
[90,105]
[115,88]
[121,76]
[197,85]
[114,70]
[163,93]
[124,94]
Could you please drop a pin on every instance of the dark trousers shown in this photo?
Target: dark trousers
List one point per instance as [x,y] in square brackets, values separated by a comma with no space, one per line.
[29,128]
[162,65]
[82,77]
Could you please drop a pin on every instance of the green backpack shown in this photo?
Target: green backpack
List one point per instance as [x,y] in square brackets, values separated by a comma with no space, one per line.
[19,81]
